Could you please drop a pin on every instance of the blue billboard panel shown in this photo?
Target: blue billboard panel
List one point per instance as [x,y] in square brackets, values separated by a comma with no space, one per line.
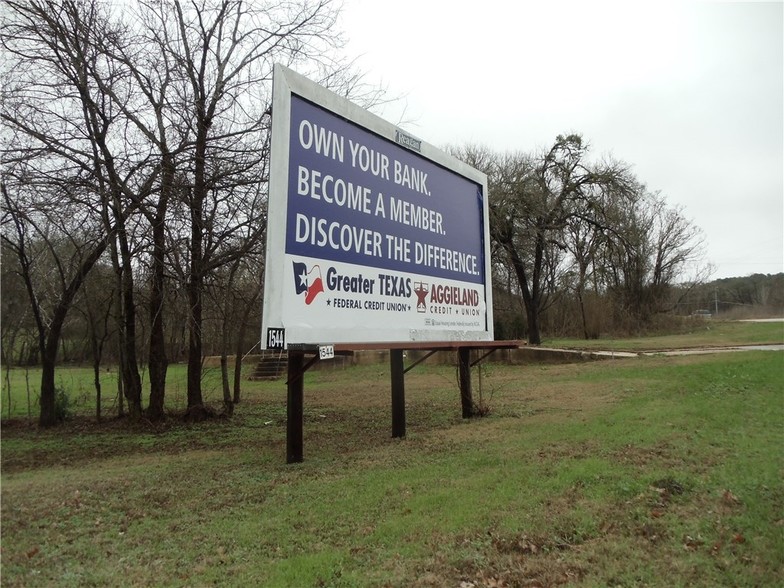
[354,197]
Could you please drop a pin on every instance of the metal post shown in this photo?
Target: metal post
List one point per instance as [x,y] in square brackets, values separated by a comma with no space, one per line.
[398,393]
[295,407]
[464,369]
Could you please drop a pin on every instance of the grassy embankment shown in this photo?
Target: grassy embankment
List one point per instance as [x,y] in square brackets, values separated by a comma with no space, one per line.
[648,471]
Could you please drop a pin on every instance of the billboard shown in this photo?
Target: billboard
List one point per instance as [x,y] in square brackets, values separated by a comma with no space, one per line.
[373,235]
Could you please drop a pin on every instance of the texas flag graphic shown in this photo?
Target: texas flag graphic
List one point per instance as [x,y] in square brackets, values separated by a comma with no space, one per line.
[307,281]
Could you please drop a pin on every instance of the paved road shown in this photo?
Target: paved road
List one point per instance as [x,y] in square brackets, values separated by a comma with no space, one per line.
[717,350]
[727,349]
[600,354]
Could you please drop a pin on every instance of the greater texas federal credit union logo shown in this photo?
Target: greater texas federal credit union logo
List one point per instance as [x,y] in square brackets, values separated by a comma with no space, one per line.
[307,282]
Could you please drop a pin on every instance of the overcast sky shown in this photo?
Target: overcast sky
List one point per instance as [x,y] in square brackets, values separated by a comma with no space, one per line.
[690,93]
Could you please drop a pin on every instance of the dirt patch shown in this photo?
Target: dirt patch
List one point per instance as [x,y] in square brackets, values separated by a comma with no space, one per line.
[662,454]
[496,560]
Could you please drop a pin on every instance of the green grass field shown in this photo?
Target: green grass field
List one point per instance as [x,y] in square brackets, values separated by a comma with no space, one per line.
[78,383]
[649,471]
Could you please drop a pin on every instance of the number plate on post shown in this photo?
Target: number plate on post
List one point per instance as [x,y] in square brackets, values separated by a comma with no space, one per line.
[326,351]
[276,338]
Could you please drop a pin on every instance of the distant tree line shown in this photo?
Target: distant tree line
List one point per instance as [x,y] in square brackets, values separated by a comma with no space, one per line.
[754,296]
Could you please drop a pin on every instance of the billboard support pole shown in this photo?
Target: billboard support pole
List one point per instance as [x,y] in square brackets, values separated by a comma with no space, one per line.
[295,407]
[398,393]
[464,368]
[297,368]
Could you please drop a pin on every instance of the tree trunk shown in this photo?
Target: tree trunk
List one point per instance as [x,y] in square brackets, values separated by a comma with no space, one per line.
[47,416]
[96,346]
[237,375]
[238,356]
[228,403]
[97,349]
[158,362]
[530,300]
[120,347]
[196,281]
[583,319]
[8,383]
[97,381]
[534,335]
[195,344]
[581,296]
[120,391]
[132,383]
[240,341]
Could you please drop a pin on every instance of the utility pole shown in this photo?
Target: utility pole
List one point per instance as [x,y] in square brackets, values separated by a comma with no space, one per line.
[716,302]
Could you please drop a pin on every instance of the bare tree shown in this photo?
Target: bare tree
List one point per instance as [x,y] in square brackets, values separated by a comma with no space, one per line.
[222,61]
[58,112]
[593,223]
[533,200]
[234,290]
[56,246]
[650,250]
[582,240]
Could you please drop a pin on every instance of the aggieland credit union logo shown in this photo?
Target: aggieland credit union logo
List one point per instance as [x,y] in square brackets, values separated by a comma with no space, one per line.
[443,299]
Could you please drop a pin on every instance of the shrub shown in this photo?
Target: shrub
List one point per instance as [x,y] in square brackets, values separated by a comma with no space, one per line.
[62,404]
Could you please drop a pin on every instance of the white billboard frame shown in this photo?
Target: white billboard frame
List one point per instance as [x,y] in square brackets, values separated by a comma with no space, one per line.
[279,329]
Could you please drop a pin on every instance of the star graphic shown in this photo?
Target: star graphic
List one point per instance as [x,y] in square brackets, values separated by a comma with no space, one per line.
[421,291]
[303,279]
